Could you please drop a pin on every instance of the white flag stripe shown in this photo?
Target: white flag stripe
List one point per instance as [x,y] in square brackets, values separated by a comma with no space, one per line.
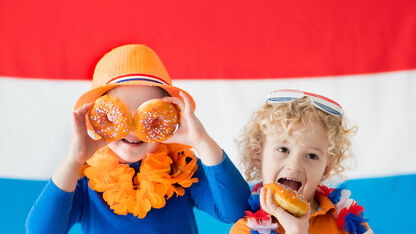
[35,121]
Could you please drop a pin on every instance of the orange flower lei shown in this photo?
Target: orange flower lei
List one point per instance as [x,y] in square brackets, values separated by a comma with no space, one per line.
[162,173]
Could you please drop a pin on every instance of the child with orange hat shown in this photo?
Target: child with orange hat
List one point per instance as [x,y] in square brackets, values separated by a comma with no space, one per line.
[118,183]
[297,140]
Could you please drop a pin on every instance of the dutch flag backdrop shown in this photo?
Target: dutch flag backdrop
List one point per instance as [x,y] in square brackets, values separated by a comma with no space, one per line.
[227,55]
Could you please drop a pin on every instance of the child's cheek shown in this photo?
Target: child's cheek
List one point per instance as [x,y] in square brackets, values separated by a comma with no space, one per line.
[269,172]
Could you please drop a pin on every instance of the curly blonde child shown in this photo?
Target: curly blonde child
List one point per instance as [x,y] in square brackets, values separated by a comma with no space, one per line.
[271,118]
[298,140]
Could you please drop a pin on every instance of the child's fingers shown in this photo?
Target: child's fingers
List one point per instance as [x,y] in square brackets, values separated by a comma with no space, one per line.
[262,195]
[176,101]
[187,101]
[277,211]
[289,222]
[79,114]
[263,203]
[78,118]
[83,109]
[306,216]
[286,219]
[272,207]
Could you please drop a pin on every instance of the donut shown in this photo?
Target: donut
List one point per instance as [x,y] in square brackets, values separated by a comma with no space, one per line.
[288,199]
[155,120]
[110,118]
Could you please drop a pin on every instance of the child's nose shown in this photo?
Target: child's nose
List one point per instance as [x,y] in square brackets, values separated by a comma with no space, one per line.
[293,163]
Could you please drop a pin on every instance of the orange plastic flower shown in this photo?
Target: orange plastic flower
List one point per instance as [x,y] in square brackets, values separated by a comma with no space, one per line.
[162,173]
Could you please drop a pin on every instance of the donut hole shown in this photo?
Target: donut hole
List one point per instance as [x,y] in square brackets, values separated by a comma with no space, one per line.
[111,117]
[155,123]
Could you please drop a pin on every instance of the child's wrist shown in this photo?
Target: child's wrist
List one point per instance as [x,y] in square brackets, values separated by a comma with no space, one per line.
[208,151]
[74,160]
[202,142]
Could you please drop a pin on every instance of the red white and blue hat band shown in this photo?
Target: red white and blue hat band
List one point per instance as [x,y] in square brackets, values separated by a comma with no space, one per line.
[137,77]
[323,103]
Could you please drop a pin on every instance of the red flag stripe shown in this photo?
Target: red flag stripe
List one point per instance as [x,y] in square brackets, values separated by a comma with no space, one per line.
[210,39]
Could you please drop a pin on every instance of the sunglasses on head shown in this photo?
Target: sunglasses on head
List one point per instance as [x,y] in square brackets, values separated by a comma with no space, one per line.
[323,103]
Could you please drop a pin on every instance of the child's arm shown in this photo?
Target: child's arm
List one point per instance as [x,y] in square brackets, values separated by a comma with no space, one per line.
[192,133]
[55,211]
[81,148]
[221,190]
[59,205]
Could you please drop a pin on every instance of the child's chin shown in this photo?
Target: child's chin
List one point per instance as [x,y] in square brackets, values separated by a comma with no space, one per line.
[130,158]
[128,153]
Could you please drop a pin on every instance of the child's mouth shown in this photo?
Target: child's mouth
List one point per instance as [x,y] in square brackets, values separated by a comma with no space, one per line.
[291,183]
[131,141]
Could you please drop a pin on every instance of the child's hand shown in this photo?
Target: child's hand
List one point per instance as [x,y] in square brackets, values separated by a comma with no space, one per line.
[191,132]
[82,146]
[291,224]
[80,149]
[190,129]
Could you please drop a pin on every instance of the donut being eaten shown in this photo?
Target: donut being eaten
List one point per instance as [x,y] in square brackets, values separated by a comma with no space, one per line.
[288,199]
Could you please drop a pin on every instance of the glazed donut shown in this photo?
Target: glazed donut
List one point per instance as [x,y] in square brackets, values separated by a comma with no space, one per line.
[155,120]
[288,199]
[110,118]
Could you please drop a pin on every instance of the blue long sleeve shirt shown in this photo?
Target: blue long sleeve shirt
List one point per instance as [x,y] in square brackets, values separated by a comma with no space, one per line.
[221,192]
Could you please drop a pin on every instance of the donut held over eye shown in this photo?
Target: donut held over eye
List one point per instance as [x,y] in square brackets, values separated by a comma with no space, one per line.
[155,120]
[110,118]
[288,199]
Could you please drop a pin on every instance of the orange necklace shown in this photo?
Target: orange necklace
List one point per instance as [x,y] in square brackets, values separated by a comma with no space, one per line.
[162,173]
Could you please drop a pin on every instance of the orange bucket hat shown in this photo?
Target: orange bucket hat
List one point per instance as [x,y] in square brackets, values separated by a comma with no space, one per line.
[132,64]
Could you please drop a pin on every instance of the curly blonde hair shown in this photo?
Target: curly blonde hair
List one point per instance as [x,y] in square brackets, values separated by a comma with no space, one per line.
[272,118]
